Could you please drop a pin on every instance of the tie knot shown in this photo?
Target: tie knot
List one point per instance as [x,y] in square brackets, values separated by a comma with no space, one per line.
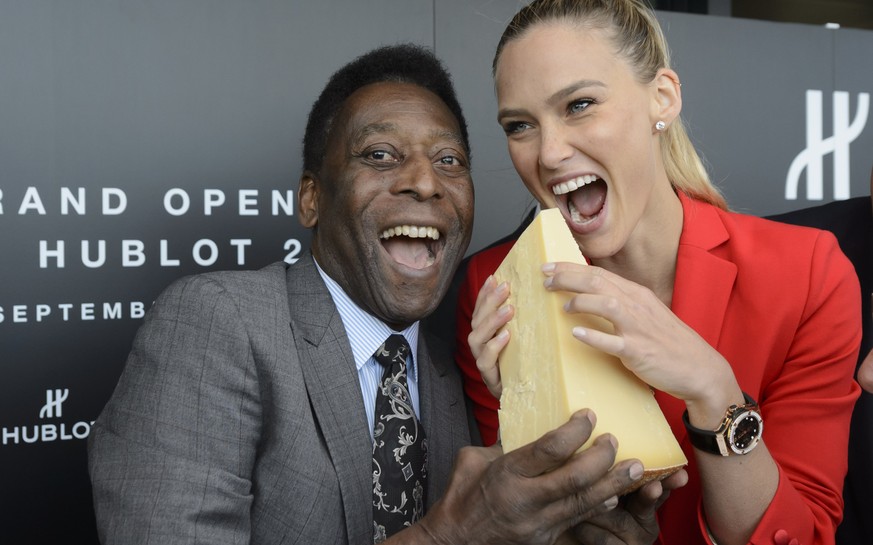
[393,350]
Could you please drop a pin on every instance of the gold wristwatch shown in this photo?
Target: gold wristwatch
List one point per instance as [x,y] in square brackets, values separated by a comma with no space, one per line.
[738,433]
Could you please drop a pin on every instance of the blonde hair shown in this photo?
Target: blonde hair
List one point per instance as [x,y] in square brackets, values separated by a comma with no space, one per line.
[638,38]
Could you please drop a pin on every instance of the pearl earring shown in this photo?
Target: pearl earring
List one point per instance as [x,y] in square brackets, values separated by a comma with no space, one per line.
[660,125]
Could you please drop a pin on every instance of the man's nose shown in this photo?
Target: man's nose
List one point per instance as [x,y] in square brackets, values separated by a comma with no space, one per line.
[419,177]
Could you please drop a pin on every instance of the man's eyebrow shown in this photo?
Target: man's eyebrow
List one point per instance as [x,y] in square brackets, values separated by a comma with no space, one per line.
[372,128]
[452,136]
[383,128]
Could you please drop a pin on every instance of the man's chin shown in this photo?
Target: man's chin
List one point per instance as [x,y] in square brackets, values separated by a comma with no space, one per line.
[400,314]
[408,295]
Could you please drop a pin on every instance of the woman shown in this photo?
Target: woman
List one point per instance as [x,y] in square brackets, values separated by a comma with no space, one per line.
[713,309]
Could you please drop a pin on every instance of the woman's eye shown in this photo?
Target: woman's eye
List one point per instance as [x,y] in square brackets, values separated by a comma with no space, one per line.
[515,127]
[579,105]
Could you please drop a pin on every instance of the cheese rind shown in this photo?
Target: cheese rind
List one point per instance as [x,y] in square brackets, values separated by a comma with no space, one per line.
[547,374]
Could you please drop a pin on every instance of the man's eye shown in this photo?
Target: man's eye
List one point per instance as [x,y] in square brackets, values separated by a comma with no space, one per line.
[380,155]
[451,159]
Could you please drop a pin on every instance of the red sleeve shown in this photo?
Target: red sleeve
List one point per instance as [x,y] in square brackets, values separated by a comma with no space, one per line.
[809,405]
[484,404]
[791,332]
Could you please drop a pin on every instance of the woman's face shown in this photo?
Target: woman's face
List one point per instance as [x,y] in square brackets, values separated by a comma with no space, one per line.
[580,130]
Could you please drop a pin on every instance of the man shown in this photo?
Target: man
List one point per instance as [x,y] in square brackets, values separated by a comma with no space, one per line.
[852,223]
[246,410]
[865,373]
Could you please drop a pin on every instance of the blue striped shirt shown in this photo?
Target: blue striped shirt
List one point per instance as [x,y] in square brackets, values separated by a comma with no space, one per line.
[366,334]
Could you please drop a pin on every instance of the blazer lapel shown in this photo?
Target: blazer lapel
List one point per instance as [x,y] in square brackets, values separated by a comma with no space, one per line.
[334,392]
[704,280]
[702,288]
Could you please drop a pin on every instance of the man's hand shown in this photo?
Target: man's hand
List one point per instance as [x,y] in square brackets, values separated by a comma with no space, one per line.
[865,373]
[530,495]
[634,521]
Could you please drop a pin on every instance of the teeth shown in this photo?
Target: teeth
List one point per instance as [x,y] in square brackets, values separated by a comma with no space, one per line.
[411,231]
[575,216]
[572,185]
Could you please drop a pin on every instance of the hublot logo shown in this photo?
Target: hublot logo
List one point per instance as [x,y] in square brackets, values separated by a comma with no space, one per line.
[817,147]
[47,432]
[54,401]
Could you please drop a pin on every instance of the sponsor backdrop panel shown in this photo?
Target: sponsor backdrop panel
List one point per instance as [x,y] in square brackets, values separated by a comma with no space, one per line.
[778,110]
[744,84]
[140,141]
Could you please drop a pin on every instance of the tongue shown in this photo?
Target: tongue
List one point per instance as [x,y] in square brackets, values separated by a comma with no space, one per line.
[410,252]
[589,198]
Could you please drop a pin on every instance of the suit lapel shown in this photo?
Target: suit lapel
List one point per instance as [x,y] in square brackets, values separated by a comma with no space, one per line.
[334,392]
[439,409]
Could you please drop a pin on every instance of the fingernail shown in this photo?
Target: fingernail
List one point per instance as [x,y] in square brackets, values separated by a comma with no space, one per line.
[548,282]
[636,471]
[503,335]
[579,332]
[548,267]
[611,503]
[503,288]
[504,311]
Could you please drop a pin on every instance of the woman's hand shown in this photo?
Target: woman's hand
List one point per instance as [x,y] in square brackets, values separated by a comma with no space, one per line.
[487,337]
[648,338]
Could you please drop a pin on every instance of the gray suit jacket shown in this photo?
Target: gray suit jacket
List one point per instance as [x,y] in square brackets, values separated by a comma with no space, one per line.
[238,419]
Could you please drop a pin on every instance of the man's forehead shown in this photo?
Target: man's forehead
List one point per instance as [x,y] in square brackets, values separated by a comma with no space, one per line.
[395,108]
[387,128]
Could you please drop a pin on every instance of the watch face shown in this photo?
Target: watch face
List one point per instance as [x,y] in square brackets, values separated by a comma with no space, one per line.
[745,431]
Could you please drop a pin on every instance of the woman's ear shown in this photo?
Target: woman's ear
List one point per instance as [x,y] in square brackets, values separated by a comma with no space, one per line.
[667,100]
[307,200]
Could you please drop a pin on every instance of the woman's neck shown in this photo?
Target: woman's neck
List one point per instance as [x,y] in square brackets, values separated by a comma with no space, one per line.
[649,256]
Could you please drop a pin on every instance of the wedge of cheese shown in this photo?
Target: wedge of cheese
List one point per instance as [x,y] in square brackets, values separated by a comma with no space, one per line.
[547,374]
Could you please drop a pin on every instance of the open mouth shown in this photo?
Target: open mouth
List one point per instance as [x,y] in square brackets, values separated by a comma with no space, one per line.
[414,246]
[582,198]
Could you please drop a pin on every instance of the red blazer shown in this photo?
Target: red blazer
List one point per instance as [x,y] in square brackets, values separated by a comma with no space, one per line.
[782,304]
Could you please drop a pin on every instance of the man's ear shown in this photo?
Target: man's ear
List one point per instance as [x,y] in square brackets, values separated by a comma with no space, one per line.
[307,200]
[667,96]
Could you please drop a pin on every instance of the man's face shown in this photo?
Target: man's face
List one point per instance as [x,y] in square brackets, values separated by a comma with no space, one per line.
[393,204]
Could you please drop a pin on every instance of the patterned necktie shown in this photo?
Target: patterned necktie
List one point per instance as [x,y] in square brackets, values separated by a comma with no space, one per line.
[399,447]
